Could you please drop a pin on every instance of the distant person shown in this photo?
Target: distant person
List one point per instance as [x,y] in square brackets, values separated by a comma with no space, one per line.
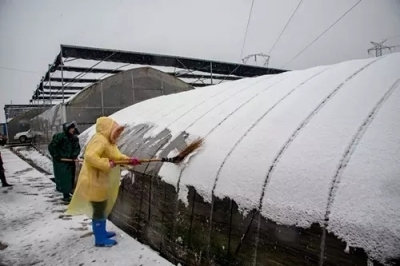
[3,139]
[2,174]
[65,145]
[76,138]
[98,182]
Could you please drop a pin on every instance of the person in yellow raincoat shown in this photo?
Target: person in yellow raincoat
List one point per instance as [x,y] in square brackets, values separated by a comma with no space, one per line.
[98,181]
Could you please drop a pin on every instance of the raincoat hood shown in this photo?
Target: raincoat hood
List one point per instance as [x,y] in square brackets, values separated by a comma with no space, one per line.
[67,126]
[108,128]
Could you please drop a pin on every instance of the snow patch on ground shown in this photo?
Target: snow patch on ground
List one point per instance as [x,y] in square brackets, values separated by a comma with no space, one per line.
[37,232]
[35,157]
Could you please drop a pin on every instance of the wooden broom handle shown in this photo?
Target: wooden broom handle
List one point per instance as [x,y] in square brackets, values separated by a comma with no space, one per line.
[70,160]
[141,160]
[117,162]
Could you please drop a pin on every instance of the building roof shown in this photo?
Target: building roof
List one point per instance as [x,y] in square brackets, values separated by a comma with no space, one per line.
[89,53]
[14,110]
[314,146]
[199,72]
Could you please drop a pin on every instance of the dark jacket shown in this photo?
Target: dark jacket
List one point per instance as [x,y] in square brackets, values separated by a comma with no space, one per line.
[64,146]
[1,163]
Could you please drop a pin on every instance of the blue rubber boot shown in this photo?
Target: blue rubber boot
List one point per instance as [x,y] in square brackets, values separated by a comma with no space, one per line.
[100,238]
[107,234]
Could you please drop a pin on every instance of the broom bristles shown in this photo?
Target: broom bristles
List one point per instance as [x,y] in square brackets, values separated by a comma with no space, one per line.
[193,146]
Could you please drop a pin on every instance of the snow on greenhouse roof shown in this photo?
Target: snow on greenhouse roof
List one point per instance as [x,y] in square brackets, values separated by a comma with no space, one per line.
[302,147]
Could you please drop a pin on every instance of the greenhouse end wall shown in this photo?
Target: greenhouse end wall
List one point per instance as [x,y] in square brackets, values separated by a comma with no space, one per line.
[105,98]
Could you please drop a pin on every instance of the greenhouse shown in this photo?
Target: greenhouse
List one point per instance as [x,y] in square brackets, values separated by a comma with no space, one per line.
[105,98]
[21,123]
[299,168]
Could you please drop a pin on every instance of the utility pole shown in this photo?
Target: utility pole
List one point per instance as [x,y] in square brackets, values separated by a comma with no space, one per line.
[264,59]
[378,47]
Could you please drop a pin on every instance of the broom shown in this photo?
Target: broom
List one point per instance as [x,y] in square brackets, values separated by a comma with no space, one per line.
[193,146]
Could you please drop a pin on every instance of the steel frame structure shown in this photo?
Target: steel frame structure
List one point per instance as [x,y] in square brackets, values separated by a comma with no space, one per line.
[211,72]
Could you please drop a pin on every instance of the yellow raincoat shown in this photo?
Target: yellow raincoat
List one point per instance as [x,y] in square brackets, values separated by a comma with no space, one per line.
[97,181]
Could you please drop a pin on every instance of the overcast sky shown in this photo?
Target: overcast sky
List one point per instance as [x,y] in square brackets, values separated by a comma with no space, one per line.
[31,32]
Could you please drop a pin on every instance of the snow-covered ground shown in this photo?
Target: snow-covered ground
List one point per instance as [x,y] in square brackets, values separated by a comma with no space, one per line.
[34,230]
[38,159]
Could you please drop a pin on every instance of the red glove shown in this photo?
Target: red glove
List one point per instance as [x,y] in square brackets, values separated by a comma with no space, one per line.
[134,161]
[112,164]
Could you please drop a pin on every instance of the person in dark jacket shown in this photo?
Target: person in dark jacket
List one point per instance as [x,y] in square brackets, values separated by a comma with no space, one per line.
[65,145]
[76,138]
[2,174]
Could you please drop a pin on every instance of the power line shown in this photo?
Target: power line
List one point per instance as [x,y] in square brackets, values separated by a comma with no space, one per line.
[280,35]
[325,31]
[396,36]
[19,70]
[247,28]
